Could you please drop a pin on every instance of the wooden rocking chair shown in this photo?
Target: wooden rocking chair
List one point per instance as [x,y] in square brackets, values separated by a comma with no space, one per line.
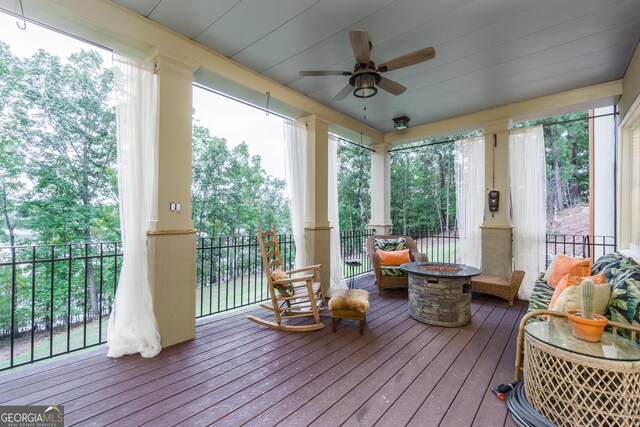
[291,297]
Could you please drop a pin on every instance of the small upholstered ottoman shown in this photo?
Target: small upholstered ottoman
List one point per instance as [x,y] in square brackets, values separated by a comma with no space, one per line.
[349,304]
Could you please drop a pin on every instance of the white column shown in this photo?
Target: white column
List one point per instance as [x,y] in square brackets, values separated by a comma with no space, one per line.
[172,240]
[497,247]
[380,221]
[317,228]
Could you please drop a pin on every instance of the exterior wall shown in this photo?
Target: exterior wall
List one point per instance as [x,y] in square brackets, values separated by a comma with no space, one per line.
[603,173]
[631,84]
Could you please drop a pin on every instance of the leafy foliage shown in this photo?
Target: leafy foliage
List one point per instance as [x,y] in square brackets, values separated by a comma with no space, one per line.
[354,186]
[231,193]
[423,188]
[566,140]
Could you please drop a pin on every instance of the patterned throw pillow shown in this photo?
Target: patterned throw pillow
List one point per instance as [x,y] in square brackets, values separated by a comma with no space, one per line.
[541,296]
[609,264]
[389,245]
[624,304]
[391,271]
[284,289]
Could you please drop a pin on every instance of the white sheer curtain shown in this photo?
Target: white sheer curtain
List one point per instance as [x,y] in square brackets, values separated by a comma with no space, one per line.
[334,220]
[470,195]
[295,160]
[132,325]
[527,167]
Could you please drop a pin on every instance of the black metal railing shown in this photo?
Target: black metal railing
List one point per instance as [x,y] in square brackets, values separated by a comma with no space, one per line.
[230,272]
[353,247]
[584,246]
[439,245]
[55,299]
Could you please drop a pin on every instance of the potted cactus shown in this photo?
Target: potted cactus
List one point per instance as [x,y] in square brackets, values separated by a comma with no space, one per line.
[585,324]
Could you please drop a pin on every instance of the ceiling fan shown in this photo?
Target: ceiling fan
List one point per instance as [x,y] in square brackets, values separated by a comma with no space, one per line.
[365,78]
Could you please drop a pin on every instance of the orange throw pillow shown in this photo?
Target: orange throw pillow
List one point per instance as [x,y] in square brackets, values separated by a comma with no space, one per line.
[393,258]
[569,280]
[564,265]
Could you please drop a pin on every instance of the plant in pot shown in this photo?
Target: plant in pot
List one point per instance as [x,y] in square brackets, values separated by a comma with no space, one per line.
[585,324]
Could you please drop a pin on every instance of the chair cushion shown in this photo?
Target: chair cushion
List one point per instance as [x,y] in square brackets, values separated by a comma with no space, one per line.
[541,296]
[393,258]
[388,245]
[350,299]
[391,271]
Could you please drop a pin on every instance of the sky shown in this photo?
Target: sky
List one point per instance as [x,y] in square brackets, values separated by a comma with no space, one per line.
[223,117]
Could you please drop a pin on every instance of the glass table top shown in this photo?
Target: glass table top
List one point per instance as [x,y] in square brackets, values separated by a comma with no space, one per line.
[558,334]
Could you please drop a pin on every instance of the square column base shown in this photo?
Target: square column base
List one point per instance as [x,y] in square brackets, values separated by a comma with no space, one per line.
[172,275]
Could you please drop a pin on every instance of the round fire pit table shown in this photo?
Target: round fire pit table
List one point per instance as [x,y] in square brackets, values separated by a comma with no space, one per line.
[440,293]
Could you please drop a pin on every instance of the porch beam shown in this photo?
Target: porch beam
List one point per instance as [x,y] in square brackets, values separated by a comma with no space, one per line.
[600,95]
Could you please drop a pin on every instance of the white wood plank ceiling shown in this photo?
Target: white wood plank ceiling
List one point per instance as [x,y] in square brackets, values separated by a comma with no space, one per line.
[488,52]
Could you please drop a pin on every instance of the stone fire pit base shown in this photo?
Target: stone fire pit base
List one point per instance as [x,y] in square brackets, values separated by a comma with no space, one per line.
[440,301]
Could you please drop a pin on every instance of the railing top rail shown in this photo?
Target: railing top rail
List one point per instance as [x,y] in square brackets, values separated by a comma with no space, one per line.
[60,245]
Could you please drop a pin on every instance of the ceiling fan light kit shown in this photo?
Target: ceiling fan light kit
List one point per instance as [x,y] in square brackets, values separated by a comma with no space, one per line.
[365,78]
[364,84]
[401,123]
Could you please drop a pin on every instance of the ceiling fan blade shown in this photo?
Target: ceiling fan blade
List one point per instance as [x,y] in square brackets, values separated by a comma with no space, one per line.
[325,73]
[391,86]
[343,93]
[409,59]
[360,45]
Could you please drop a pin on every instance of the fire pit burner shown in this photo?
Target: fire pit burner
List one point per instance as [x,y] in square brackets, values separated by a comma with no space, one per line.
[440,268]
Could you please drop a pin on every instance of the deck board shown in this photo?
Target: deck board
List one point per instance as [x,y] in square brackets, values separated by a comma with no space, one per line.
[401,372]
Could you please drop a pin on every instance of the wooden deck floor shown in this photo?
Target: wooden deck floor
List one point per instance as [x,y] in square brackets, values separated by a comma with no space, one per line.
[401,372]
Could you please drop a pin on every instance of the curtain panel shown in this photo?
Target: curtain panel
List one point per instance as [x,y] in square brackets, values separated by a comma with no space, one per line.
[470,196]
[295,160]
[334,220]
[132,325]
[527,166]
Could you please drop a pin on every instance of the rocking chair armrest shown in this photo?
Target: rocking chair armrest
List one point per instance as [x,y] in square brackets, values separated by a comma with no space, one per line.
[293,280]
[300,270]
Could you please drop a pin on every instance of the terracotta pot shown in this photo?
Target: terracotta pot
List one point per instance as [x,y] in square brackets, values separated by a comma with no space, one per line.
[587,329]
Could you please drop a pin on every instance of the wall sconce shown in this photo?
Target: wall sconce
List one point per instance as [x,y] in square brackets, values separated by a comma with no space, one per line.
[401,123]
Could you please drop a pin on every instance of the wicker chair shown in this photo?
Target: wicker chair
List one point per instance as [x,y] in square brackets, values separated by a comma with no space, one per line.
[384,282]
[501,287]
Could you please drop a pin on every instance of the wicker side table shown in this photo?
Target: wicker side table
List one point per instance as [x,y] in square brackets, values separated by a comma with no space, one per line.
[575,383]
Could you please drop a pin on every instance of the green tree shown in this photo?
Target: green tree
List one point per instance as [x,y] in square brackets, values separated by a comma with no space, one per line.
[354,182]
[72,151]
[231,193]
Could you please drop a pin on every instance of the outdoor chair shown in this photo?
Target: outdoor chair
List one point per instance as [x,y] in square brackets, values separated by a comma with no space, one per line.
[294,294]
[501,287]
[391,276]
